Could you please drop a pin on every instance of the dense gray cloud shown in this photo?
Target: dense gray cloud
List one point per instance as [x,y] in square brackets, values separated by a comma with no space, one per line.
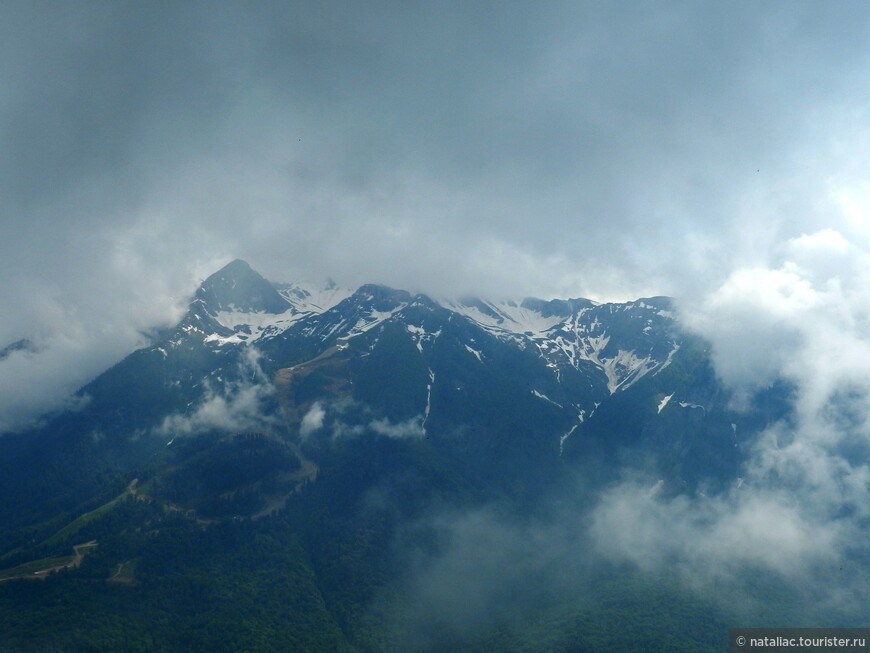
[607,150]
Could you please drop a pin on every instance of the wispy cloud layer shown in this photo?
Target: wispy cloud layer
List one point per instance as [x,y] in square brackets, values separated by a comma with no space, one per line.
[345,418]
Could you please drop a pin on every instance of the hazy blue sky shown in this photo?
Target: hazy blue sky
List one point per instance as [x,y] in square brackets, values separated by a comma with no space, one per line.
[599,149]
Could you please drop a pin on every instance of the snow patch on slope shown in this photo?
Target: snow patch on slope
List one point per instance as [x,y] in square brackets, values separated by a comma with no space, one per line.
[664,402]
[625,369]
[234,339]
[540,395]
[476,353]
[565,437]
[506,317]
[669,358]
[249,327]
[306,298]
[371,320]
[420,335]
[428,408]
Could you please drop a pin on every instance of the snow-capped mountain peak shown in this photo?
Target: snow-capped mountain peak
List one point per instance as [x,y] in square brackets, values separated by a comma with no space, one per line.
[236,287]
[271,310]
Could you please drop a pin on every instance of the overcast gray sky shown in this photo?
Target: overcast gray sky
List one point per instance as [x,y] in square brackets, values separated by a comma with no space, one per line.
[609,150]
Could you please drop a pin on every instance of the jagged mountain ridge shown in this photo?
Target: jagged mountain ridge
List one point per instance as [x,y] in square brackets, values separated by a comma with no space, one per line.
[506,391]
[543,367]
[570,332]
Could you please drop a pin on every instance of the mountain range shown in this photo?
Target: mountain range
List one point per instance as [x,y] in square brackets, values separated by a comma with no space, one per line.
[275,472]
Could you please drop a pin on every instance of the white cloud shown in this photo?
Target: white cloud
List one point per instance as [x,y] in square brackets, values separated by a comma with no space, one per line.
[238,406]
[240,411]
[410,428]
[705,538]
[313,420]
[347,418]
[754,322]
[802,500]
[802,318]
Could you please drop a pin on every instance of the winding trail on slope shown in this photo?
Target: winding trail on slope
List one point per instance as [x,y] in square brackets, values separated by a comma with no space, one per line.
[71,562]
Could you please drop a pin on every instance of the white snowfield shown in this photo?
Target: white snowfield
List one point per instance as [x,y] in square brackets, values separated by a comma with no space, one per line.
[305,300]
[577,339]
